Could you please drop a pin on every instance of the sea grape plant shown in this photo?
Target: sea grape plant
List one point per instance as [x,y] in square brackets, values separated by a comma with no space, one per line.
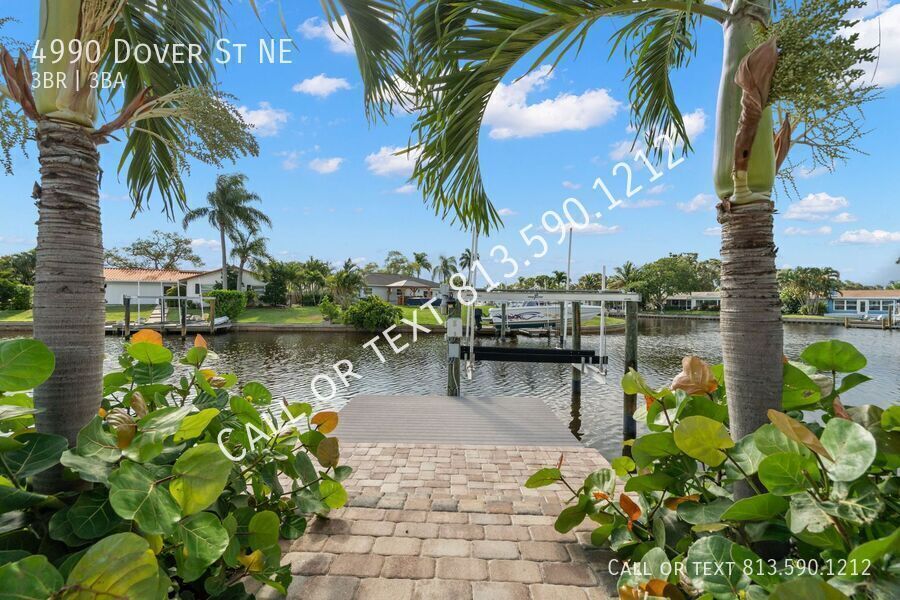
[819,516]
[158,507]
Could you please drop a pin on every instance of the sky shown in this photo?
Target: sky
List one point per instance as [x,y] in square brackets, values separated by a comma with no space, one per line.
[334,188]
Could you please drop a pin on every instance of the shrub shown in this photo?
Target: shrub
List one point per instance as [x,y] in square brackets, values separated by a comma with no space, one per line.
[162,511]
[815,309]
[372,314]
[229,303]
[330,311]
[14,296]
[822,521]
[252,297]
[790,303]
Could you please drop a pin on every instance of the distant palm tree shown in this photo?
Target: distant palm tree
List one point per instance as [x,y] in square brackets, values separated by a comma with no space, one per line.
[445,268]
[626,276]
[228,209]
[247,247]
[420,261]
[559,278]
[346,282]
[465,259]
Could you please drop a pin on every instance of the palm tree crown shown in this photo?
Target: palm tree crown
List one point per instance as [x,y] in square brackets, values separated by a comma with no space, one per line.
[246,248]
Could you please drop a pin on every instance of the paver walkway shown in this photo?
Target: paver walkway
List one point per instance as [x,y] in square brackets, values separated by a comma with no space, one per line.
[450,522]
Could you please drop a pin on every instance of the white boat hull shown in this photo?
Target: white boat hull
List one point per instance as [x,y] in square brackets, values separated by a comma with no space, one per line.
[522,317]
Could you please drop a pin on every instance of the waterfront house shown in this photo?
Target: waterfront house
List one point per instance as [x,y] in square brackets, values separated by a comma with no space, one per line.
[694,301]
[399,289]
[864,303]
[153,283]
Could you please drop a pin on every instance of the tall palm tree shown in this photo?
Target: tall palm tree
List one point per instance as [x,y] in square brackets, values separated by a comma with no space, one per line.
[420,261]
[228,210]
[346,282]
[625,277]
[246,248]
[466,260]
[445,268]
[465,49]
[167,113]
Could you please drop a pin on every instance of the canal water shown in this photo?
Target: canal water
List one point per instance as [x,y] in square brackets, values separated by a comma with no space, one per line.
[287,363]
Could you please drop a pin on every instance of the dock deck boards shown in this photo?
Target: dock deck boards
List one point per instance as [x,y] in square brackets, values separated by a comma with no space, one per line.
[495,421]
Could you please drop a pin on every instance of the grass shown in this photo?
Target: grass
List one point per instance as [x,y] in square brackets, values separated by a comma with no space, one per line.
[282,316]
[114,312]
[715,313]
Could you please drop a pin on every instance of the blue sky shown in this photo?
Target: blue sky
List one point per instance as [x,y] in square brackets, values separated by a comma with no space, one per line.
[333,189]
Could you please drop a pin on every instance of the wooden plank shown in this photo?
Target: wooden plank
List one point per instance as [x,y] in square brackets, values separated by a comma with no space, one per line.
[495,421]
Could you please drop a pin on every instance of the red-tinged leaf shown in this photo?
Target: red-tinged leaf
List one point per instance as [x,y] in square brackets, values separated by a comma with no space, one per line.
[839,410]
[200,342]
[147,335]
[672,503]
[631,509]
[325,421]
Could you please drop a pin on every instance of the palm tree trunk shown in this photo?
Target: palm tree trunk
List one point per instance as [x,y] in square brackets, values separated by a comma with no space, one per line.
[68,294]
[752,335]
[240,276]
[224,258]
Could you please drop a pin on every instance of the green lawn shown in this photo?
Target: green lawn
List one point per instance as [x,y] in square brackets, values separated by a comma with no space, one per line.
[114,312]
[293,315]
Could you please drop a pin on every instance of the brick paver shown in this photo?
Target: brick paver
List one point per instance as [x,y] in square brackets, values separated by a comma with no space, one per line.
[433,522]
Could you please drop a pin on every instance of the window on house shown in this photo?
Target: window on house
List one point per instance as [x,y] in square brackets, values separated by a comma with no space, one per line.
[845,305]
[197,288]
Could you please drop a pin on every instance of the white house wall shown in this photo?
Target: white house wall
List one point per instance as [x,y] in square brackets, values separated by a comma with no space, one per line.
[115,290]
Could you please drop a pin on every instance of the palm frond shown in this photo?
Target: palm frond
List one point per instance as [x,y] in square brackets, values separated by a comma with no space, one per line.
[464,50]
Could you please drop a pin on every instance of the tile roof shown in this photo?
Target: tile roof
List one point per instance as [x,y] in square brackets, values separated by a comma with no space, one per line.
[868,294]
[394,280]
[147,275]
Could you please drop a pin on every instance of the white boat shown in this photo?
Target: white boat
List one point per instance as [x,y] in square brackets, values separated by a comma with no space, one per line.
[534,314]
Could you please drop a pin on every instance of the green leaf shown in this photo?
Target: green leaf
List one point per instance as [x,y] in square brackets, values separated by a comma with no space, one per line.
[601,534]
[747,455]
[342,472]
[544,477]
[653,482]
[92,516]
[149,354]
[60,529]
[204,539]
[200,476]
[570,517]
[653,445]
[328,452]
[603,480]
[333,493]
[851,381]
[861,506]
[875,550]
[88,469]
[15,499]
[704,439]
[9,412]
[700,565]
[307,470]
[136,494]
[696,513]
[293,527]
[783,473]
[24,364]
[834,355]
[633,383]
[94,441]
[39,452]
[153,429]
[295,410]
[622,465]
[257,393]
[32,578]
[263,530]
[805,514]
[744,557]
[195,356]
[890,419]
[799,390]
[193,425]
[851,445]
[119,566]
[756,508]
[771,441]
[807,588]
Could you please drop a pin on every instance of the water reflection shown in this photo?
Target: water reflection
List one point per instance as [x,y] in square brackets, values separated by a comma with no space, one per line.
[288,362]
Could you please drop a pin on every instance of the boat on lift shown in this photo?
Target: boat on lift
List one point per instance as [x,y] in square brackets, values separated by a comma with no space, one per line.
[533,314]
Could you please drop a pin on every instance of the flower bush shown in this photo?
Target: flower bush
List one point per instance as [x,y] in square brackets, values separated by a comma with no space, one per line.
[804,507]
[185,485]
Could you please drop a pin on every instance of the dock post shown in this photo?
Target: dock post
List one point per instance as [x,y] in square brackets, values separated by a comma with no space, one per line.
[629,427]
[503,322]
[576,345]
[212,316]
[182,308]
[126,300]
[162,314]
[454,350]
[562,324]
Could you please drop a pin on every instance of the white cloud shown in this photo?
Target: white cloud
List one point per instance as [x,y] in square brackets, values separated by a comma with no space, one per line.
[844,217]
[864,236]
[624,148]
[597,229]
[201,243]
[882,30]
[506,212]
[407,188]
[12,239]
[387,162]
[266,121]
[823,230]
[315,28]
[698,202]
[694,123]
[713,231]
[809,173]
[321,85]
[871,7]
[290,159]
[646,203]
[511,116]
[326,165]
[659,189]
[569,185]
[112,197]
[815,207]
